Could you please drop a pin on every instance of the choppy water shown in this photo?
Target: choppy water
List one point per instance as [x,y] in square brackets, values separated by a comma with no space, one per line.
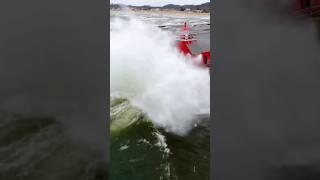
[38,148]
[159,101]
[159,117]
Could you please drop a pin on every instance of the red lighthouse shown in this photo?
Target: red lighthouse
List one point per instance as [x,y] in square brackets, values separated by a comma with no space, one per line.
[187,44]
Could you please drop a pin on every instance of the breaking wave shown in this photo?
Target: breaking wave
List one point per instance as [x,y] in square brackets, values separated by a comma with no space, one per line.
[147,69]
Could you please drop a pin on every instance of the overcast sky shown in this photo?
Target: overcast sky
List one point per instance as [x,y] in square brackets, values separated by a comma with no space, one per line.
[158,2]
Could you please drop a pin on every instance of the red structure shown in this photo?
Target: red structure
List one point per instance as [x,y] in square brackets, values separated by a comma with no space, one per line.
[307,8]
[187,44]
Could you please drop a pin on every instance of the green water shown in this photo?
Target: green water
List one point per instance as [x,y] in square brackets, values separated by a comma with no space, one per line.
[140,151]
[39,148]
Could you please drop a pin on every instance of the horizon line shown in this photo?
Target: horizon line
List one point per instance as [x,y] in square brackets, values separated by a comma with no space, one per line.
[162,5]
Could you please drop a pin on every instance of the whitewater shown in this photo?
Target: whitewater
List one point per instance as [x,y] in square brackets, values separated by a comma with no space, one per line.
[147,69]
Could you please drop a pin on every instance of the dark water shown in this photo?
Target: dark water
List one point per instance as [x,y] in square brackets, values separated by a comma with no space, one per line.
[142,151]
[38,148]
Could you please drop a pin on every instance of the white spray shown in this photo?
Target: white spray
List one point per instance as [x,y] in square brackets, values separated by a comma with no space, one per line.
[148,70]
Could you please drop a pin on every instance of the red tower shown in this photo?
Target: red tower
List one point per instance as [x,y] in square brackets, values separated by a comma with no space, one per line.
[187,44]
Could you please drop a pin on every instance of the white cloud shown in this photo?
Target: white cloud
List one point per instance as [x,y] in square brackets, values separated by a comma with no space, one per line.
[158,2]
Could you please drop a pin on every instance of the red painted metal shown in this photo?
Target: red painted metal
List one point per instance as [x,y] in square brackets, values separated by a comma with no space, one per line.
[206,58]
[187,39]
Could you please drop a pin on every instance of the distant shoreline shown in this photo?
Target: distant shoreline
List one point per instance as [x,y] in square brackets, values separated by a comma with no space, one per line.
[165,12]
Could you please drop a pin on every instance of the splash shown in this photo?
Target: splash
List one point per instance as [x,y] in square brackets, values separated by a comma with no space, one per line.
[147,69]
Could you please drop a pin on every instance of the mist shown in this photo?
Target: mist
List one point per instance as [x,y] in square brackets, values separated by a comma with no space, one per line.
[266,92]
[156,77]
[53,64]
